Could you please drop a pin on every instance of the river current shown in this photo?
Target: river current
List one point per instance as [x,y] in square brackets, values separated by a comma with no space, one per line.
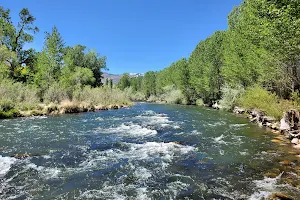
[148,151]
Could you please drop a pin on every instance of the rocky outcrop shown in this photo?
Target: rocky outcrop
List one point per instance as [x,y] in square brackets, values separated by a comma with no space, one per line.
[289,125]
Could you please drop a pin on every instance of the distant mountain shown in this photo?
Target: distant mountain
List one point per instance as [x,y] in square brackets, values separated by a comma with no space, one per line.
[116,77]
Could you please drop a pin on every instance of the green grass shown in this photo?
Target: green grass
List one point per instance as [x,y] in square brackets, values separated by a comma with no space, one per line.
[261,99]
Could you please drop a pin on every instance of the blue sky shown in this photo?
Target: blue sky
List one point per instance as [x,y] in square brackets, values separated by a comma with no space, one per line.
[135,35]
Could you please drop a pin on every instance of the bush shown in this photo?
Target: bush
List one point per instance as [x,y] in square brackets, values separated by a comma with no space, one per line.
[23,96]
[261,99]
[171,95]
[7,110]
[55,94]
[101,96]
[153,98]
[199,102]
[134,95]
[175,97]
[230,96]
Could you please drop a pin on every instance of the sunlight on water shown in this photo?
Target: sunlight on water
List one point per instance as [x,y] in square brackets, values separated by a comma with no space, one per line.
[148,151]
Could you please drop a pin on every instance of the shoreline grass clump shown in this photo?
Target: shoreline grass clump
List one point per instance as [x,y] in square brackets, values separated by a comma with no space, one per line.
[261,99]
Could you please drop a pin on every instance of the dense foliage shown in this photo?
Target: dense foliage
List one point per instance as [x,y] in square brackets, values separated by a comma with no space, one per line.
[55,74]
[261,48]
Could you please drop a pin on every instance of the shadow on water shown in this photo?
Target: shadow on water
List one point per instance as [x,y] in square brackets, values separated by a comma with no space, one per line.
[148,151]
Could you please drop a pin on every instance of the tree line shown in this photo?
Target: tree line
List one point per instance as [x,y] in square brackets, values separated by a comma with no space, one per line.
[261,47]
[55,67]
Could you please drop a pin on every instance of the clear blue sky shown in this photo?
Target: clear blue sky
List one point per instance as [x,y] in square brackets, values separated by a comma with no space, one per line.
[135,35]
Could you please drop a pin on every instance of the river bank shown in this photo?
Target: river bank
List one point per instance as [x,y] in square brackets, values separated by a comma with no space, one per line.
[65,107]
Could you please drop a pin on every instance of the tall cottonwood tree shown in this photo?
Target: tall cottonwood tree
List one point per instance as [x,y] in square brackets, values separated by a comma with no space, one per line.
[14,38]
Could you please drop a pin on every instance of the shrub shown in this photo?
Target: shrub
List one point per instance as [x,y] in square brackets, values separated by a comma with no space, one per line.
[261,99]
[175,97]
[101,96]
[7,110]
[199,102]
[55,94]
[153,98]
[23,96]
[230,96]
[134,95]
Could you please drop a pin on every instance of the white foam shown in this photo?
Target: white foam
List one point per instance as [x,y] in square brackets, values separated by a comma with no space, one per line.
[220,140]
[131,129]
[266,187]
[222,152]
[46,173]
[148,151]
[99,119]
[5,164]
[236,125]
[243,153]
[152,118]
[220,123]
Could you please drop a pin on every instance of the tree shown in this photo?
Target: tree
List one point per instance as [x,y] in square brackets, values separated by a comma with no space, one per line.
[111,84]
[50,60]
[76,56]
[124,82]
[205,65]
[15,38]
[106,82]
[149,84]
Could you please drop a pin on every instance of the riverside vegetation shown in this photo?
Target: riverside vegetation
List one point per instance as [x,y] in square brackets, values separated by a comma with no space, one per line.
[58,79]
[254,64]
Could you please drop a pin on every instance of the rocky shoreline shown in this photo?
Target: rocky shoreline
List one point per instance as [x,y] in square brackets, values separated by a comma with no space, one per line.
[288,126]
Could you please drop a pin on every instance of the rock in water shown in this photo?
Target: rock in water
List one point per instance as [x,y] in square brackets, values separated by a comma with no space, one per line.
[295,141]
[279,196]
[297,146]
[284,125]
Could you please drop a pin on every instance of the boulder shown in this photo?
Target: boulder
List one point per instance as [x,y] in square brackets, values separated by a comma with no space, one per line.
[279,196]
[216,106]
[253,120]
[284,125]
[268,119]
[268,124]
[290,121]
[297,146]
[238,110]
[275,126]
[295,141]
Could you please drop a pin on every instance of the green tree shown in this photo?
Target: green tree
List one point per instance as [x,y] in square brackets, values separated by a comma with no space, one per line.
[76,56]
[149,84]
[205,65]
[124,82]
[50,60]
[14,38]
[111,83]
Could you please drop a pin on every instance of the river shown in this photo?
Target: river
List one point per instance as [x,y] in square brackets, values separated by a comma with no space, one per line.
[148,151]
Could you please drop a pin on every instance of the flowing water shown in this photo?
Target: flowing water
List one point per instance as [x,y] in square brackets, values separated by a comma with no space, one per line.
[148,151]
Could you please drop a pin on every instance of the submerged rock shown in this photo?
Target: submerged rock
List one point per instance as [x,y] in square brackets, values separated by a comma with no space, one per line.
[276,141]
[285,162]
[279,196]
[23,155]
